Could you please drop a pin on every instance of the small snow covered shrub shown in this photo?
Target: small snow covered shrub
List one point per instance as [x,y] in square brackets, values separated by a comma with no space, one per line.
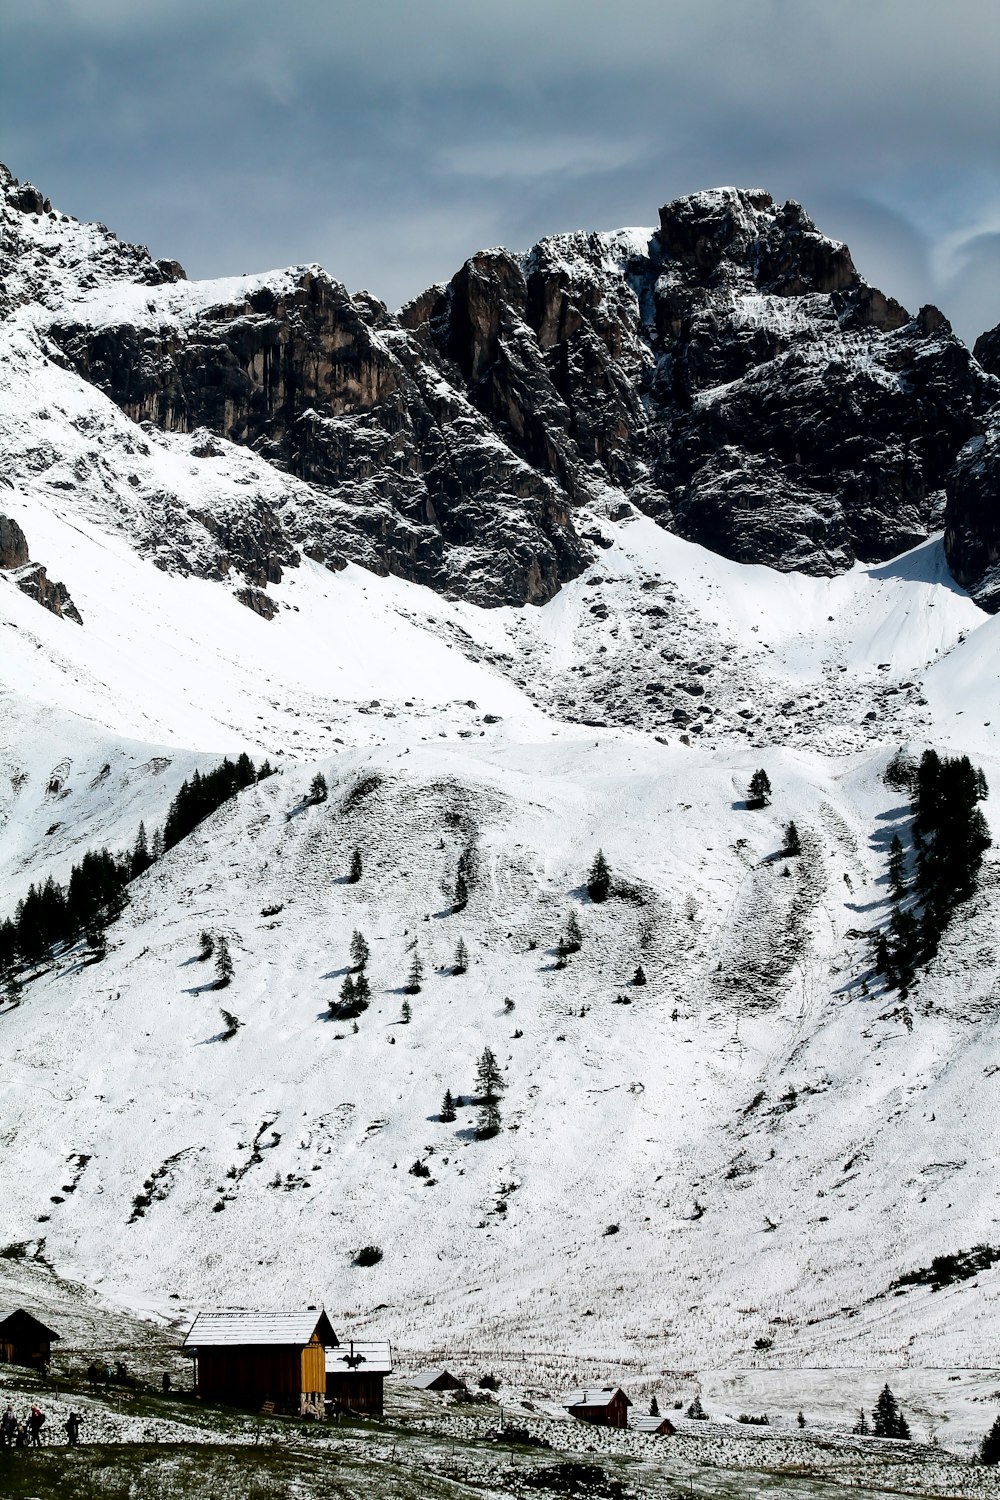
[368,1255]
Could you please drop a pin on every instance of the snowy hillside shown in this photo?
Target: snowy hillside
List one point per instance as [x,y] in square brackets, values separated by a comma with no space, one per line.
[734,1161]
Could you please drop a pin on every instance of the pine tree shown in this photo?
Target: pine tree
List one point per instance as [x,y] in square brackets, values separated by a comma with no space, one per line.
[639,977]
[318,789]
[362,991]
[897,868]
[140,860]
[11,988]
[759,790]
[599,878]
[359,950]
[989,1448]
[157,849]
[415,975]
[461,964]
[223,963]
[654,1408]
[489,1087]
[461,900]
[407,1010]
[886,1415]
[573,937]
[793,844]
[96,936]
[354,869]
[861,1428]
[447,1108]
[696,1410]
[348,990]
[206,946]
[801,1419]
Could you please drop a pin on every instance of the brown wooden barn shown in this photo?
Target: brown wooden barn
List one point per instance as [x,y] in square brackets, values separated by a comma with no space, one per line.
[251,1358]
[355,1373]
[606,1407]
[654,1426]
[25,1341]
[438,1379]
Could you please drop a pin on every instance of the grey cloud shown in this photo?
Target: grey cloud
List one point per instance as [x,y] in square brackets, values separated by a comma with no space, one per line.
[390,139]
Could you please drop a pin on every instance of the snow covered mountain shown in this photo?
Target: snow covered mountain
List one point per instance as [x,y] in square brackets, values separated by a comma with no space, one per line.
[738,1159]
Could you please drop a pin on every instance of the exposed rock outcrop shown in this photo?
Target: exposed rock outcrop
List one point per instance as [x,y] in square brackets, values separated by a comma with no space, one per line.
[31,578]
[729,374]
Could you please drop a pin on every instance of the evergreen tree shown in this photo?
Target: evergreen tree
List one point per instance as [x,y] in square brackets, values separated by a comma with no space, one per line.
[989,1448]
[897,868]
[639,977]
[157,849]
[407,1010]
[447,1108]
[886,1415]
[96,937]
[362,991]
[461,900]
[359,950]
[793,844]
[416,974]
[573,937]
[347,991]
[654,1408]
[861,1428]
[759,790]
[461,963]
[206,948]
[801,1419]
[697,1411]
[223,963]
[599,878]
[11,988]
[489,1087]
[141,859]
[354,869]
[318,789]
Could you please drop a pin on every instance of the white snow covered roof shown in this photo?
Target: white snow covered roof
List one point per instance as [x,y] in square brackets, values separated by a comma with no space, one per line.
[649,1424]
[366,1359]
[426,1378]
[238,1329]
[600,1397]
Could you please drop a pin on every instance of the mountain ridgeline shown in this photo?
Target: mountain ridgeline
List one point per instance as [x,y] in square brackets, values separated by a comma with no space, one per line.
[728,373]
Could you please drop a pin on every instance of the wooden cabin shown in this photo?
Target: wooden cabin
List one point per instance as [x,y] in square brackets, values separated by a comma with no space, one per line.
[606,1407]
[653,1426]
[253,1358]
[355,1374]
[438,1379]
[25,1341]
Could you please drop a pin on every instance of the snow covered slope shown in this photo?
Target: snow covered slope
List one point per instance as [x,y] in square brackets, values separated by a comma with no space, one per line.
[734,1161]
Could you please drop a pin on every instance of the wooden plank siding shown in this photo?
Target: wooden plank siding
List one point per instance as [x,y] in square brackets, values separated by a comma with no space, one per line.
[355,1391]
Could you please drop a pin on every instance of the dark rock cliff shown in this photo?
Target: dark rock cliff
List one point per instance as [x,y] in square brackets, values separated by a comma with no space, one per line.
[730,374]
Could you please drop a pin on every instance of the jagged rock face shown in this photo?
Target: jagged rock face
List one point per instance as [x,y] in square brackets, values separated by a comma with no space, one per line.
[13,545]
[729,374]
[31,578]
[733,375]
[972,517]
[331,389]
[987,350]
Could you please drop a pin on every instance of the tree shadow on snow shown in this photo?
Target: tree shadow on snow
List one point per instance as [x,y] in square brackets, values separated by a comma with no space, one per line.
[202,989]
[338,973]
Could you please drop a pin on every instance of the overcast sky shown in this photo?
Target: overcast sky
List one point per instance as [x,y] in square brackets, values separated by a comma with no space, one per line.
[389,139]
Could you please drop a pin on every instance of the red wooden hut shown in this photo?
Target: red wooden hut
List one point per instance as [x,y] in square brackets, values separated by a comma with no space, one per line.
[606,1407]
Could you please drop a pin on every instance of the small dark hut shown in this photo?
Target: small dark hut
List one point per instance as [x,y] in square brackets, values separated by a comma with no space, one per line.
[653,1426]
[254,1358]
[438,1379]
[355,1374]
[25,1341]
[606,1407]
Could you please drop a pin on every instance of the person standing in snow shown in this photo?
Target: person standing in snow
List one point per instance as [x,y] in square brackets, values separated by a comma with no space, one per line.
[73,1429]
[8,1427]
[36,1421]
